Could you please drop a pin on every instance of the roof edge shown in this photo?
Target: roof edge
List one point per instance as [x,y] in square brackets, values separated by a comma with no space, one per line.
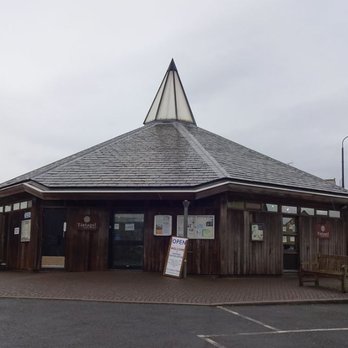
[41,192]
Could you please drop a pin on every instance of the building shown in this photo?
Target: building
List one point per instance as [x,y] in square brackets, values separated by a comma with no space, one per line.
[116,204]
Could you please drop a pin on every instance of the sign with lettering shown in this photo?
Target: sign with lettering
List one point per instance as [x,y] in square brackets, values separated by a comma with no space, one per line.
[175,257]
[87,224]
[323,230]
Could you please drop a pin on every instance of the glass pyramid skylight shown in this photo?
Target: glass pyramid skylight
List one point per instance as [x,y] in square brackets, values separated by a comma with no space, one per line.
[170,102]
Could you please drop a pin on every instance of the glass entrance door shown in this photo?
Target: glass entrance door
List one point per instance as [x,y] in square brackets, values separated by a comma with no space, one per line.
[53,238]
[290,244]
[127,241]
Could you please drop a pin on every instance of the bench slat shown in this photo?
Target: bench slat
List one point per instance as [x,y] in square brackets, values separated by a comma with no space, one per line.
[333,266]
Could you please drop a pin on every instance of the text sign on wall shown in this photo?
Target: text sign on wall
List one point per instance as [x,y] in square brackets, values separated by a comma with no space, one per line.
[175,258]
[198,226]
[87,224]
[323,230]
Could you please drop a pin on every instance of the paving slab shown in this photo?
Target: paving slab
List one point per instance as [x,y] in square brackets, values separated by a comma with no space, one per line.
[124,286]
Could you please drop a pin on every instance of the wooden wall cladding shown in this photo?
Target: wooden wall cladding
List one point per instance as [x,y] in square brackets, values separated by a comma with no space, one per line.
[231,243]
[87,250]
[240,255]
[2,238]
[20,255]
[155,248]
[310,245]
[203,255]
[266,257]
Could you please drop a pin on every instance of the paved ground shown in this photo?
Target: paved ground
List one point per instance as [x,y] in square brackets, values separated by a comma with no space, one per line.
[143,287]
[55,323]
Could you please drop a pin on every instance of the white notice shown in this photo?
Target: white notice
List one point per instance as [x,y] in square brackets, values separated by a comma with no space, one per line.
[176,254]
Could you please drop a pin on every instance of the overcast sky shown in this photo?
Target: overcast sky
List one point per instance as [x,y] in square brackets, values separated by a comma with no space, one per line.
[269,74]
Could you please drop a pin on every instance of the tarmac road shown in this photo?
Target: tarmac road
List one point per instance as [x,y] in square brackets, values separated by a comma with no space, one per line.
[52,323]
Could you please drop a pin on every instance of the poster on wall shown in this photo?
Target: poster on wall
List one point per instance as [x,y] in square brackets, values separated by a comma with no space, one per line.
[257,232]
[175,257]
[198,226]
[163,225]
[25,230]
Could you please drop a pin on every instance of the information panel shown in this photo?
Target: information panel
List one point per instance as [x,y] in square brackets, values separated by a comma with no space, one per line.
[25,230]
[175,257]
[163,225]
[198,226]
[257,232]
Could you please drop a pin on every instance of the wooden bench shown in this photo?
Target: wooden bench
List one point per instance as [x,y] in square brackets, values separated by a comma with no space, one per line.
[325,266]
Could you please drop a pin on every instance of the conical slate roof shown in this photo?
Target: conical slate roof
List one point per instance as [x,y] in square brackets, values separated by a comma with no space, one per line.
[170,154]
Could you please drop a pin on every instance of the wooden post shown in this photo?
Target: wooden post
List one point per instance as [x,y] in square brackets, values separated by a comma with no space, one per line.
[224,236]
[36,232]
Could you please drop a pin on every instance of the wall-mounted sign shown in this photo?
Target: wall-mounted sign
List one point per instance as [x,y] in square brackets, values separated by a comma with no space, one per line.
[257,232]
[129,227]
[175,257]
[163,225]
[323,230]
[87,224]
[27,215]
[198,226]
[25,230]
[16,230]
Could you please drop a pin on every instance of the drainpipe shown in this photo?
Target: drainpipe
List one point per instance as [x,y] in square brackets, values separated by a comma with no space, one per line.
[186,204]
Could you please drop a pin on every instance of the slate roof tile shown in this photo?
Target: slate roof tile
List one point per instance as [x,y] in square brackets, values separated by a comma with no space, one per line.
[169,154]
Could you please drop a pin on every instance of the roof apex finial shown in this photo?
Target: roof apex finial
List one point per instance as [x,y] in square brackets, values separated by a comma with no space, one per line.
[172,66]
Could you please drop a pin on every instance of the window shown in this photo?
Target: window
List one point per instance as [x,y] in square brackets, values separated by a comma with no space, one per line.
[15,206]
[335,214]
[322,212]
[289,210]
[270,207]
[24,205]
[307,211]
[289,234]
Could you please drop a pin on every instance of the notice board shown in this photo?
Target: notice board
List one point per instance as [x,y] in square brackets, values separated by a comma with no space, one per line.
[198,226]
[175,257]
[163,225]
